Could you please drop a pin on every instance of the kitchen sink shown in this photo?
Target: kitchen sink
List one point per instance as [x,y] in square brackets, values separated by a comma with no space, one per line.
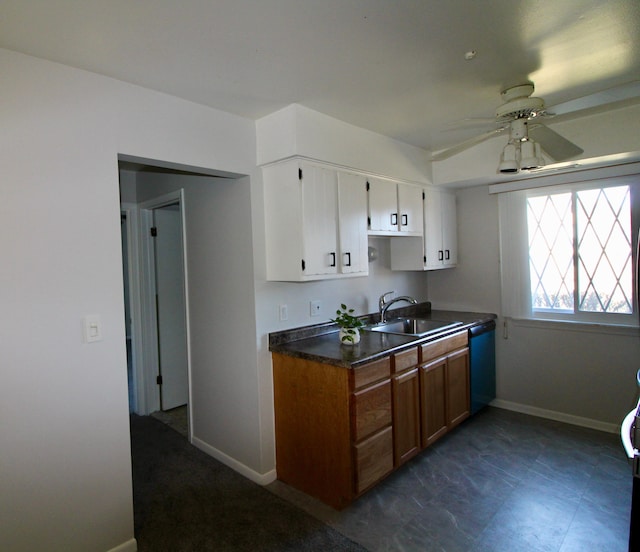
[413,326]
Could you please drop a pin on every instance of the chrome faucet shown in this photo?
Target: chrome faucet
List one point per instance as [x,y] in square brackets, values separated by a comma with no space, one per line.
[383,304]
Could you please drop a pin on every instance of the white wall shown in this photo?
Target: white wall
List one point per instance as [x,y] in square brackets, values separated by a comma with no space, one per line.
[65,464]
[297,130]
[224,382]
[584,377]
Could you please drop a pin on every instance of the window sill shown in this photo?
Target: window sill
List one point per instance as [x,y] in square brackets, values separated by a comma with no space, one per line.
[571,326]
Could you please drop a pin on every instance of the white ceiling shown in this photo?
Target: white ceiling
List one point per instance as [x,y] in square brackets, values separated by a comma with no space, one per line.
[396,67]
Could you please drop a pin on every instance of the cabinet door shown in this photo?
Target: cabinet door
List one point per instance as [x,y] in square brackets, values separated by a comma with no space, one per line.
[458,399]
[410,209]
[433,251]
[433,400]
[449,229]
[283,218]
[319,218]
[352,224]
[383,206]
[373,459]
[370,410]
[406,416]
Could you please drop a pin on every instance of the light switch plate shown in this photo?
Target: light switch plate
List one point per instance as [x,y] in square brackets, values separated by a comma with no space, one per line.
[92,326]
[283,312]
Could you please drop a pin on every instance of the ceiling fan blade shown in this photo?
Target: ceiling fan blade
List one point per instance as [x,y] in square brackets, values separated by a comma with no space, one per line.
[626,91]
[556,146]
[448,152]
[470,122]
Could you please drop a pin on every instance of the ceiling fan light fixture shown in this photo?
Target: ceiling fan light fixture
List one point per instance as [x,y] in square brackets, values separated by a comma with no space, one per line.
[529,159]
[509,159]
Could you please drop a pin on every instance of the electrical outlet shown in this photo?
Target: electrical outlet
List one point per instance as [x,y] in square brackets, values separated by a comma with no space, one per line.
[315,307]
[284,312]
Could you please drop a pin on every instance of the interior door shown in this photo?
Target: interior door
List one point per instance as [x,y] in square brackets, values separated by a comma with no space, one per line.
[170,304]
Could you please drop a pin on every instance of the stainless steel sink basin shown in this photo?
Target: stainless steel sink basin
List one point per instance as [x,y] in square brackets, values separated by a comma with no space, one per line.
[413,326]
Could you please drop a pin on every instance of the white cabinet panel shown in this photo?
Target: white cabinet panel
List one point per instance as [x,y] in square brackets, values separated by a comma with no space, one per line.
[383,206]
[319,220]
[394,208]
[352,223]
[441,250]
[438,247]
[449,229]
[315,222]
[410,209]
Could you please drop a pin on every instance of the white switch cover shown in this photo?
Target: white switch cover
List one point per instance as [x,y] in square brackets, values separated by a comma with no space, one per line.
[314,307]
[92,328]
[284,312]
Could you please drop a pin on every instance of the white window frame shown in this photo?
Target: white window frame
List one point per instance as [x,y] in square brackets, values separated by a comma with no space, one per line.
[514,252]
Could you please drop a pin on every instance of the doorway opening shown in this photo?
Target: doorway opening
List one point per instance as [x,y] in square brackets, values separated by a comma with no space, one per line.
[155,282]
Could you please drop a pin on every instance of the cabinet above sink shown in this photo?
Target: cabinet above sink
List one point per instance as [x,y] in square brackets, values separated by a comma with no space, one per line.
[318,218]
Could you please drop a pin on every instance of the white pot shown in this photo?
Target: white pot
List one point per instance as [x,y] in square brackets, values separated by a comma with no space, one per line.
[349,336]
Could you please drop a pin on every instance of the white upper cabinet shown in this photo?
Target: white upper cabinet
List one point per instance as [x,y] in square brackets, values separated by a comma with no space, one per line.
[352,223]
[315,222]
[441,236]
[438,248]
[394,208]
[410,209]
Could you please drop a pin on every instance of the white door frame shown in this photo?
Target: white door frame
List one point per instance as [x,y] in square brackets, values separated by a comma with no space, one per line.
[148,389]
[133,246]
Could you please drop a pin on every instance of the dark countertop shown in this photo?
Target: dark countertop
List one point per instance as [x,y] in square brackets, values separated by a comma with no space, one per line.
[320,342]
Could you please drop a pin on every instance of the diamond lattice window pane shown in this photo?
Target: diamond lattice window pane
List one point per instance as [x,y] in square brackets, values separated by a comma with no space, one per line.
[605,279]
[551,252]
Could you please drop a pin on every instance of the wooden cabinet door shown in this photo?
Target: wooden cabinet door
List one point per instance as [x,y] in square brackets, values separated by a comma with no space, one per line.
[370,410]
[433,402]
[406,415]
[458,399]
[373,459]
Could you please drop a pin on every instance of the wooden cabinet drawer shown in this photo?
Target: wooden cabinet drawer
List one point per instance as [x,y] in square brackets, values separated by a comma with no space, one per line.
[441,347]
[370,410]
[370,373]
[405,359]
[373,459]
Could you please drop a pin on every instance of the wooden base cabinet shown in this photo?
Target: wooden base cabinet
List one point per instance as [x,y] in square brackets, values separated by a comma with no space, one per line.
[444,386]
[433,388]
[333,427]
[340,430]
[406,405]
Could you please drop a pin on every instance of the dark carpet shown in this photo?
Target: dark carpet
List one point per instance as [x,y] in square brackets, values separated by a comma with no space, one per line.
[184,500]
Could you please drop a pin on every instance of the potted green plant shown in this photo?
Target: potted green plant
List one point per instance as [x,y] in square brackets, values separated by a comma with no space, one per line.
[349,325]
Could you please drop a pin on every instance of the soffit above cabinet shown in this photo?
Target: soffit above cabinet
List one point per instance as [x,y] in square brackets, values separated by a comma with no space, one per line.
[296,131]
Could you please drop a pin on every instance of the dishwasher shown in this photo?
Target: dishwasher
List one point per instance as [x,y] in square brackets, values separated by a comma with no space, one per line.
[482,364]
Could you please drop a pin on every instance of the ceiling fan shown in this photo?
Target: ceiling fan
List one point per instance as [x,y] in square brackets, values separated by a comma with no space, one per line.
[521,114]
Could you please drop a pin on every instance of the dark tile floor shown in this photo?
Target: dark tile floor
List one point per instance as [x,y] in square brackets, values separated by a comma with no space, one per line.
[502,481]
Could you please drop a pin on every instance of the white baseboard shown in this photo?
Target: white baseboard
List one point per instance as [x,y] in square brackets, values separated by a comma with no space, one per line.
[129,546]
[557,416]
[259,478]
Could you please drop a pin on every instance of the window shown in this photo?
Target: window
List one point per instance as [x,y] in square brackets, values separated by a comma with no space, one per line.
[580,251]
[567,252]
